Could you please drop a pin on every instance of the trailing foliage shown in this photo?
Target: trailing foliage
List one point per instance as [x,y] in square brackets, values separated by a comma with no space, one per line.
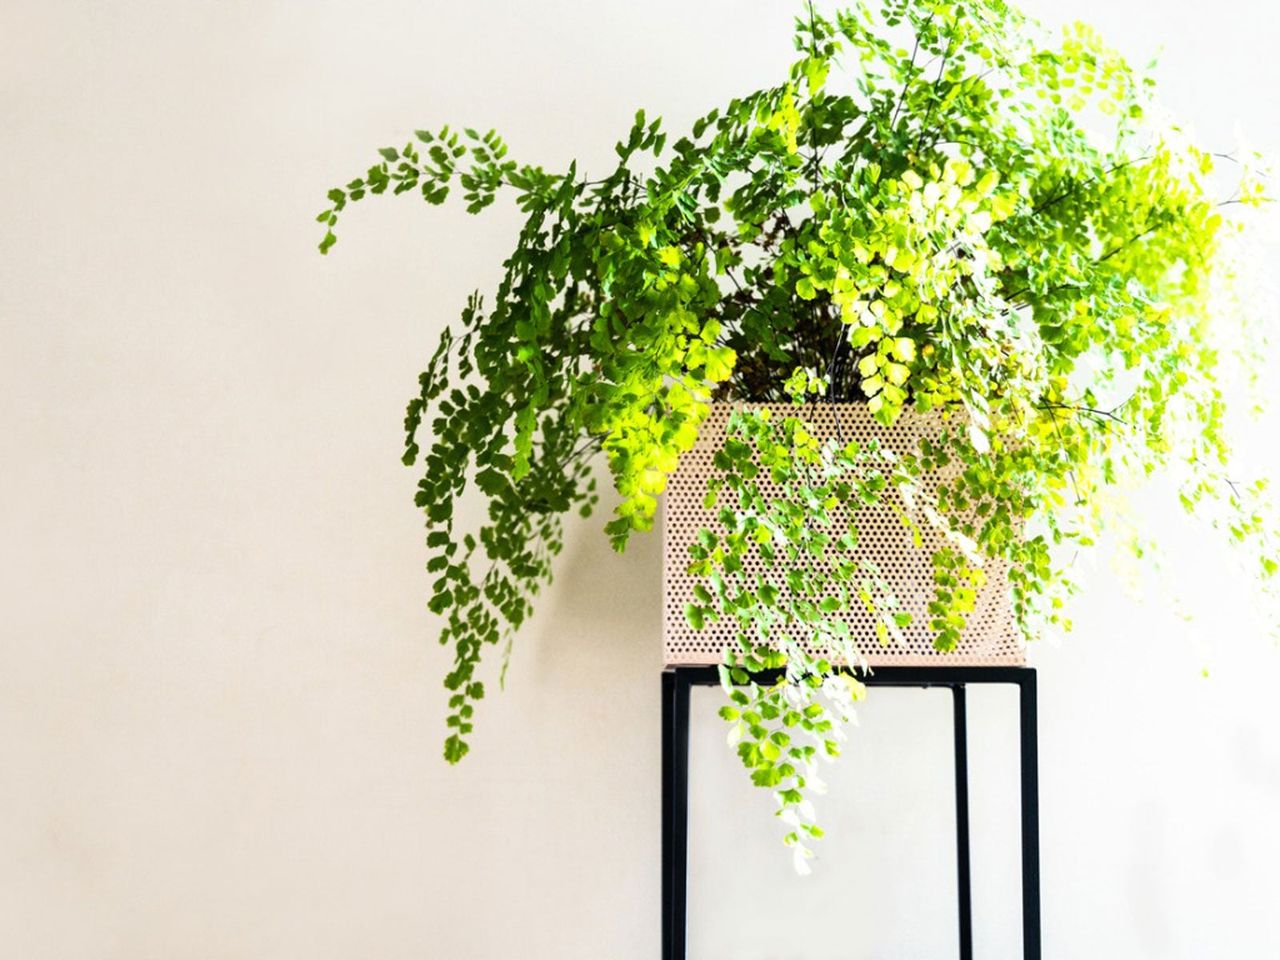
[939,207]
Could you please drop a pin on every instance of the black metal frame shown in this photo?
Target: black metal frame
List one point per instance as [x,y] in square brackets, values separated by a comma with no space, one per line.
[676,684]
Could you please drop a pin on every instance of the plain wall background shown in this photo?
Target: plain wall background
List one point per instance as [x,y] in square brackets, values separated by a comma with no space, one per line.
[220,708]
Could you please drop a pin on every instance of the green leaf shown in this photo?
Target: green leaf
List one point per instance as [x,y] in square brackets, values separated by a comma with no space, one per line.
[455,749]
[720,364]
[693,615]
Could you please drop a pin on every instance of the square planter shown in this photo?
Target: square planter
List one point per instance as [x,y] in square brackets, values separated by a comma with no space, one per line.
[990,637]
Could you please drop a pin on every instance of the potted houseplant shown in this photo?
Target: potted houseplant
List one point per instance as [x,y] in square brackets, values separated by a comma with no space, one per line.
[961,287]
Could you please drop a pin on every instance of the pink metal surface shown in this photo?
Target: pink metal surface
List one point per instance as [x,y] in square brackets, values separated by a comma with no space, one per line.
[990,637]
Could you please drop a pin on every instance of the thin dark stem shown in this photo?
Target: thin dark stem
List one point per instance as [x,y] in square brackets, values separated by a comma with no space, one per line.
[815,178]
[1011,298]
[1130,242]
[1110,415]
[933,100]
[906,84]
[1057,198]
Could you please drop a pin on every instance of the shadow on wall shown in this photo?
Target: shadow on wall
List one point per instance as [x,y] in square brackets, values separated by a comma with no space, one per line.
[604,615]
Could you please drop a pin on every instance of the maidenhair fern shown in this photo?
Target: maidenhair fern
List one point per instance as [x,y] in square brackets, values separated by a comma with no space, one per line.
[938,207]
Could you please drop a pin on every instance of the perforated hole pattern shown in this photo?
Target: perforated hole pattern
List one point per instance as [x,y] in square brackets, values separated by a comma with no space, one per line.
[990,637]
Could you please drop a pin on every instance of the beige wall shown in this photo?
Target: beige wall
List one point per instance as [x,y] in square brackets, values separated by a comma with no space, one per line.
[220,709]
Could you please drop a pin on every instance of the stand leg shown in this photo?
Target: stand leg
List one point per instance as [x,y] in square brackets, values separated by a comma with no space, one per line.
[1030,817]
[668,777]
[675,812]
[963,886]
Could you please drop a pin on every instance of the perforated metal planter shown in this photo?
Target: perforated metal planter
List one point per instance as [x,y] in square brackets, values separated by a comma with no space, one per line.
[990,637]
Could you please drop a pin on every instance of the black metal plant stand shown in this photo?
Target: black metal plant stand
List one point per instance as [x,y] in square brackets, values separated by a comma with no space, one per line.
[676,683]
